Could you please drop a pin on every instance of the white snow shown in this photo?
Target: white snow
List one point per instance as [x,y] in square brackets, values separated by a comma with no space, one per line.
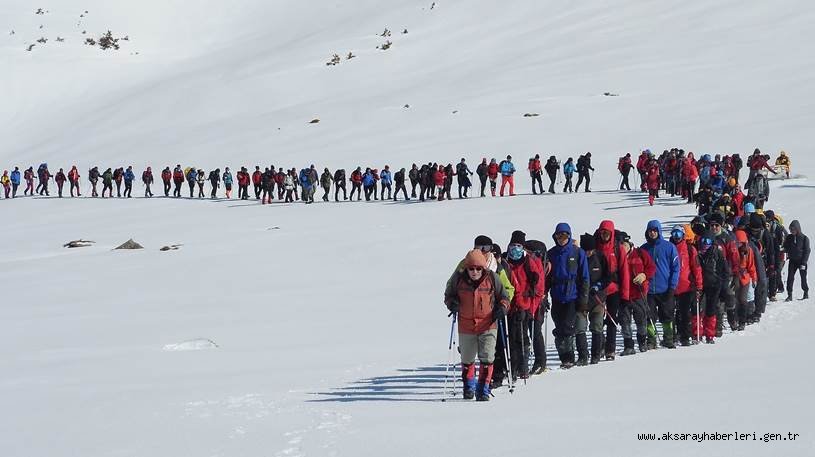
[330,329]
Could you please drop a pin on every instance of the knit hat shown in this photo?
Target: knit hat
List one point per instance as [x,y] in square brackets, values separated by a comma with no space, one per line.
[475,258]
[482,240]
[741,236]
[587,242]
[756,222]
[518,237]
[716,218]
[769,214]
[496,250]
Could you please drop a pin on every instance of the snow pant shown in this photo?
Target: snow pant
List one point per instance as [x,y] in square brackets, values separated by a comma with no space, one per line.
[400,187]
[413,184]
[75,185]
[192,188]
[568,185]
[704,323]
[167,187]
[624,185]
[201,190]
[289,198]
[228,189]
[177,191]
[243,191]
[580,178]
[745,304]
[690,189]
[727,306]
[368,191]
[356,187]
[446,190]
[384,187]
[760,297]
[59,188]
[538,339]
[536,179]
[774,282]
[431,190]
[493,186]
[29,187]
[40,187]
[519,342]
[480,345]
[563,315]
[792,268]
[128,189]
[652,195]
[508,180]
[590,320]
[684,303]
[552,179]
[612,309]
[214,193]
[44,189]
[93,189]
[258,188]
[108,187]
[483,181]
[636,309]
[14,187]
[147,191]
[7,190]
[463,188]
[337,192]
[661,307]
[118,189]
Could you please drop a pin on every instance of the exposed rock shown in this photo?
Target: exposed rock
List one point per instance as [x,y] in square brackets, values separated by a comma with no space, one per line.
[78,244]
[130,244]
[314,121]
[531,115]
[172,247]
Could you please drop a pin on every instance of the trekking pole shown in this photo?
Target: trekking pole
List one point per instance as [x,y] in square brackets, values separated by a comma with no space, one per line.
[619,184]
[698,320]
[507,360]
[450,355]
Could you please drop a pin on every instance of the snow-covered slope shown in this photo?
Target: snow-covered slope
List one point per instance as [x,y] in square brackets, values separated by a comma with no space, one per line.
[294,330]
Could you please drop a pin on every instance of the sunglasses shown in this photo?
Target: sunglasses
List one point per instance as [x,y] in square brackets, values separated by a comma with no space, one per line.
[706,241]
[475,268]
[485,248]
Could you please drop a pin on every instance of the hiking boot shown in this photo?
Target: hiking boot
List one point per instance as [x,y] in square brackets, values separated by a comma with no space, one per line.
[789,298]
[469,394]
[652,345]
[628,351]
[806,295]
[537,368]
[566,365]
[772,298]
[582,361]
[741,327]
[610,356]
[684,342]
[483,397]
[709,340]
[718,333]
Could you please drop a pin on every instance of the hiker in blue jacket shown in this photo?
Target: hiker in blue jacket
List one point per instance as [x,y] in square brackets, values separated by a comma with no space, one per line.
[387,181]
[568,281]
[662,285]
[15,181]
[568,171]
[368,183]
[129,176]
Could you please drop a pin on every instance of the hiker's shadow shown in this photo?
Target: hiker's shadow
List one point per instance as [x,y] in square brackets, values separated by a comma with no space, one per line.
[420,384]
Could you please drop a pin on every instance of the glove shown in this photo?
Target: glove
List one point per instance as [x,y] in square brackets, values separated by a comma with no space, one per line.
[453,306]
[639,279]
[498,313]
[803,268]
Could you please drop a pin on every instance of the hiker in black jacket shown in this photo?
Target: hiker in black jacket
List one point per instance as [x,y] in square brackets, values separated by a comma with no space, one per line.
[796,245]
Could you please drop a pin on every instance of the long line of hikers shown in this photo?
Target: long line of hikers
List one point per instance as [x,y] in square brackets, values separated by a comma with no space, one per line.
[708,271]
[672,171]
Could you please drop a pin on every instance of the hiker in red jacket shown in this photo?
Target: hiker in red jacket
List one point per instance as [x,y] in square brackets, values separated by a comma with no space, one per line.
[690,283]
[636,269]
[642,167]
[257,177]
[60,179]
[609,246]
[166,178]
[73,180]
[492,174]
